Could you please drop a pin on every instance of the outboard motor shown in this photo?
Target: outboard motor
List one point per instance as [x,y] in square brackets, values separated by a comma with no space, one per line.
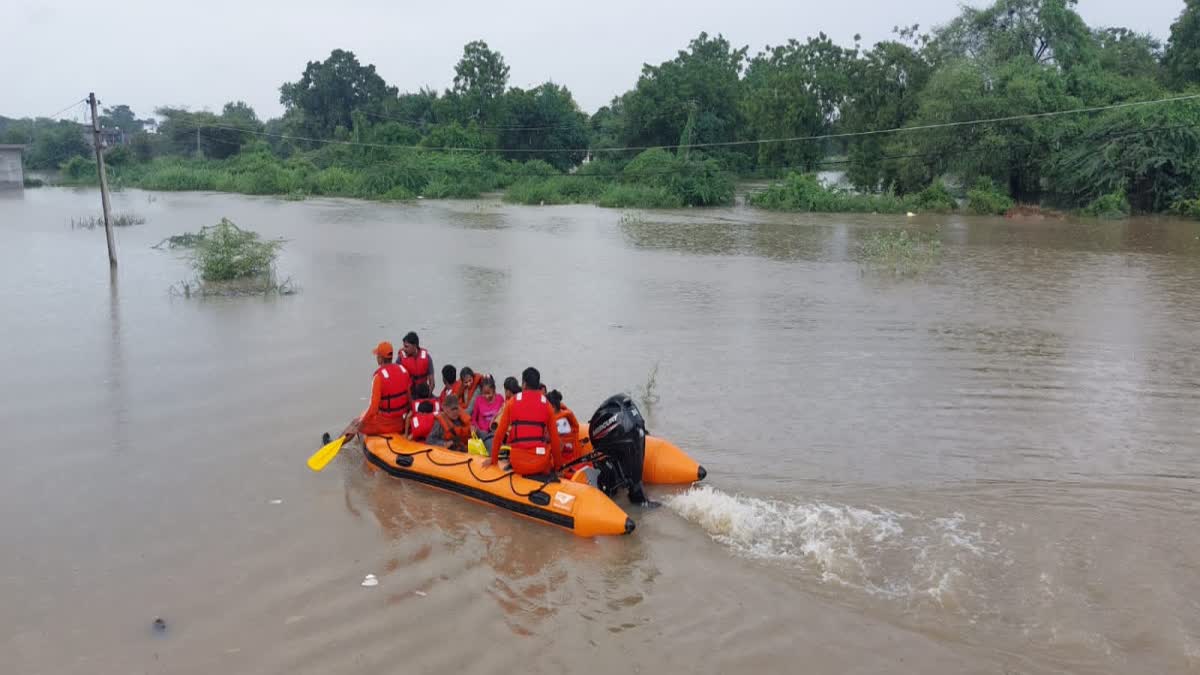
[618,431]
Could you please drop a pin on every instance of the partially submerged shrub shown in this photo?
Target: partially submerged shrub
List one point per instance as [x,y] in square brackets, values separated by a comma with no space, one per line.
[901,251]
[78,169]
[1111,206]
[620,195]
[226,252]
[803,192]
[1189,208]
[987,199]
[555,190]
[935,198]
[118,220]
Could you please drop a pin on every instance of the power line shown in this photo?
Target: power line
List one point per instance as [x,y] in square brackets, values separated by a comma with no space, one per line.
[813,165]
[486,127]
[715,144]
[52,116]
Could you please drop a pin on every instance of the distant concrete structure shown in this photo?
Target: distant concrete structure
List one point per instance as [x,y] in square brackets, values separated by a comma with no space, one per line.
[12,174]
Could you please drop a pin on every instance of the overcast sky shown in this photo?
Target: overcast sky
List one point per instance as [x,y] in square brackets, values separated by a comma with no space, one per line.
[148,53]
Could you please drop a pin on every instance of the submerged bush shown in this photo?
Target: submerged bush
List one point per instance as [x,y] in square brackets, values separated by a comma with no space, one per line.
[901,251]
[803,192]
[118,220]
[226,252]
[77,169]
[987,199]
[690,181]
[1111,206]
[620,195]
[1189,208]
[555,190]
[935,198]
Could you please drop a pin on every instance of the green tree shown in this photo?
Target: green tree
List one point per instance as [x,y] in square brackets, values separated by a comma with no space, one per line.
[1182,58]
[1048,31]
[121,117]
[1013,153]
[480,77]
[416,109]
[703,80]
[795,90]
[213,136]
[544,120]
[55,142]
[883,94]
[1128,53]
[328,92]
[1150,154]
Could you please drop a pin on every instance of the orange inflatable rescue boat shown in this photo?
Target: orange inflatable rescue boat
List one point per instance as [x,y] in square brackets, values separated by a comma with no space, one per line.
[620,456]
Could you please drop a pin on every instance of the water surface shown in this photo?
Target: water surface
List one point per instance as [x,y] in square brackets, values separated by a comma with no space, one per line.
[987,467]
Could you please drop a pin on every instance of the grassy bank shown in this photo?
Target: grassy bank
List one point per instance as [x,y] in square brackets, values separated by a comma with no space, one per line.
[653,179]
[386,175]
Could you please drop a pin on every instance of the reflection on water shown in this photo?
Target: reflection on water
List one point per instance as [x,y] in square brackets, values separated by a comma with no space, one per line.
[537,573]
[988,466]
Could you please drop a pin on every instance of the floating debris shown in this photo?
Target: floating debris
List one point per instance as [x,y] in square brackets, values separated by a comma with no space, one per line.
[421,593]
[370,581]
[276,501]
[160,626]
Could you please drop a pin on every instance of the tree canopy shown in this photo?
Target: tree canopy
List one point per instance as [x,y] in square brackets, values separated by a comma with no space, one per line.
[801,105]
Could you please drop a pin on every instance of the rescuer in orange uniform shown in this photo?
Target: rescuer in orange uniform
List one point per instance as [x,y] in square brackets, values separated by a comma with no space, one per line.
[390,385]
[527,425]
[417,361]
[568,428]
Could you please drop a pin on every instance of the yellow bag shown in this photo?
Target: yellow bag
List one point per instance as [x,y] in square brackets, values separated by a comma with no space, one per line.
[475,446]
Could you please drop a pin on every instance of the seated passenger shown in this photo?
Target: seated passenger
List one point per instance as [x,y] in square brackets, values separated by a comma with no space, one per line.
[449,383]
[385,414]
[484,410]
[452,427]
[511,387]
[468,386]
[420,423]
[421,393]
[527,426]
[568,427]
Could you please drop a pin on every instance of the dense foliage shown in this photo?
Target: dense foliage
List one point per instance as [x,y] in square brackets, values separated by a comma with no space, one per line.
[901,118]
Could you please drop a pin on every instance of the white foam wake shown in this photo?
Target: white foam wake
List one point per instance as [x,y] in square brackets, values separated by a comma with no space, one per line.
[884,552]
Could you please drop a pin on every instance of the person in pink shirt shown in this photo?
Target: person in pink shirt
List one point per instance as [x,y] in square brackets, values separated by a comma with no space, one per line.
[485,408]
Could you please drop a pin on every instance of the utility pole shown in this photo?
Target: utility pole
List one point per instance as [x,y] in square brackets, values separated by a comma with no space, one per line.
[108,233]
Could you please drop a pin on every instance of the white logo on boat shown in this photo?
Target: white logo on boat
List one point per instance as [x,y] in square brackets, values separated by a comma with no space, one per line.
[563,500]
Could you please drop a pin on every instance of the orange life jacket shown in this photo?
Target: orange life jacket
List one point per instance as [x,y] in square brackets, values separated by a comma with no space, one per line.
[568,433]
[455,429]
[393,389]
[466,390]
[420,423]
[419,368]
[529,420]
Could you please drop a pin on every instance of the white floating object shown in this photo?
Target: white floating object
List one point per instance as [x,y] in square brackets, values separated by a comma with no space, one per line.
[370,581]
[910,214]
[421,593]
[276,501]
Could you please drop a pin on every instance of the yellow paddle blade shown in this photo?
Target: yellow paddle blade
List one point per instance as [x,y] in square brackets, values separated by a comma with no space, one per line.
[326,454]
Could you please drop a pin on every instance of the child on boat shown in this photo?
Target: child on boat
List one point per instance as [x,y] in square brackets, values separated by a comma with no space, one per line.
[484,410]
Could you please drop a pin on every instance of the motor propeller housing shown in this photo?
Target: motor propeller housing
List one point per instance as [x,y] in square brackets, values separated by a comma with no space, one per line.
[618,430]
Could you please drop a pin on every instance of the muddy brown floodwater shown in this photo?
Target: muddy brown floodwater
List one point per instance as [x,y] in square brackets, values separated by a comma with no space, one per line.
[989,467]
